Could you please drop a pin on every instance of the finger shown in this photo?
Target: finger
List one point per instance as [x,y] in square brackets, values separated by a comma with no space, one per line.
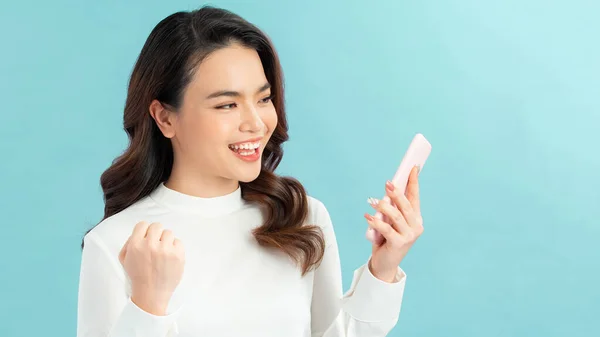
[391,214]
[384,207]
[139,231]
[386,230]
[177,242]
[178,245]
[154,232]
[412,190]
[401,203]
[167,237]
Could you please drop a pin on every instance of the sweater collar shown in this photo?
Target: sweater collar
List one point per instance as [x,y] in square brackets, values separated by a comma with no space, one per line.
[213,206]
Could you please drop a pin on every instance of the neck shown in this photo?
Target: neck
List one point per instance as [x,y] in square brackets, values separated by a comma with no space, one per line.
[196,184]
[205,195]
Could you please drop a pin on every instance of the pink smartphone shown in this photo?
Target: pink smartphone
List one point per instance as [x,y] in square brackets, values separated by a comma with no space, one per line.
[416,155]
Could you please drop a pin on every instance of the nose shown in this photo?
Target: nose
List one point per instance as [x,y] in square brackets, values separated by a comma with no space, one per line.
[251,121]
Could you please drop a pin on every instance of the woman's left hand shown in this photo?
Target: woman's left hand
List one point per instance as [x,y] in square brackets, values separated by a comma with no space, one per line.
[401,226]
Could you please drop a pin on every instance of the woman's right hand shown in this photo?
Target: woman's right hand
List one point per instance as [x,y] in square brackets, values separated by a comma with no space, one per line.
[154,260]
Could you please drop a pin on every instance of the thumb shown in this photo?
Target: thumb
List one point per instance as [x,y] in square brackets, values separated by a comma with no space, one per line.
[123,251]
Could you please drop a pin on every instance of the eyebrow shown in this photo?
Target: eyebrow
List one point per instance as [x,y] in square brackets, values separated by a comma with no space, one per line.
[230,93]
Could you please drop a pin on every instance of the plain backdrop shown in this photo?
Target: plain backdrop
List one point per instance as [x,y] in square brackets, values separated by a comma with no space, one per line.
[507,92]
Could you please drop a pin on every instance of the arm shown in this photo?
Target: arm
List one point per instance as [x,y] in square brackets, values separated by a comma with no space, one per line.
[104,306]
[370,308]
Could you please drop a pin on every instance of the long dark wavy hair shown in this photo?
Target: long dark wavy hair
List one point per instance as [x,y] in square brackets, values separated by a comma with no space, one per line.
[164,68]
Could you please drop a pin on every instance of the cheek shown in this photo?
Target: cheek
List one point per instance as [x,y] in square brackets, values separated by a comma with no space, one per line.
[198,132]
[215,132]
[270,119]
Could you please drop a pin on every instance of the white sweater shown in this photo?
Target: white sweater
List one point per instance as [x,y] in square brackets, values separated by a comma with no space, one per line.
[231,286]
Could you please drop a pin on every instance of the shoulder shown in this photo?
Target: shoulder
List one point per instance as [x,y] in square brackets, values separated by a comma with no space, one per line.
[318,213]
[112,232]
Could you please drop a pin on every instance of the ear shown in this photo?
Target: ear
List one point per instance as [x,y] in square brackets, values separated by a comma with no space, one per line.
[164,118]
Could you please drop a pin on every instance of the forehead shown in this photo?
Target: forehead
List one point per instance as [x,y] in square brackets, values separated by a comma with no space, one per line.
[235,67]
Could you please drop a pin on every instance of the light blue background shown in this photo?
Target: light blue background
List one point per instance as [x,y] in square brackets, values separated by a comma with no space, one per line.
[506,91]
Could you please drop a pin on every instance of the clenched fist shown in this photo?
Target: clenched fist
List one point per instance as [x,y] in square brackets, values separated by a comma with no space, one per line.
[153,259]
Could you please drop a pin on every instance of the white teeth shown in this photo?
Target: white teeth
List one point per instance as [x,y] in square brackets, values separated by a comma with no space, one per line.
[245,146]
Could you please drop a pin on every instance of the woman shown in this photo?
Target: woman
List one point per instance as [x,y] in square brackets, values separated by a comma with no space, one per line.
[200,237]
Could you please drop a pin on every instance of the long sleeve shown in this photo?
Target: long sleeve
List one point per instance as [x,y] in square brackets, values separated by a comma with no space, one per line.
[104,306]
[370,308]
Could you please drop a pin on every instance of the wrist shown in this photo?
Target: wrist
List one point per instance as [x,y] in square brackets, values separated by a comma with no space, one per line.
[153,305]
[386,275]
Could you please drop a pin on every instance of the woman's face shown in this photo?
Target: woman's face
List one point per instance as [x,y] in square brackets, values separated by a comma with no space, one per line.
[226,117]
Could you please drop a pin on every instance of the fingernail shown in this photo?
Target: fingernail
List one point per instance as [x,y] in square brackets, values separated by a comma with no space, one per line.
[369,216]
[373,201]
[389,185]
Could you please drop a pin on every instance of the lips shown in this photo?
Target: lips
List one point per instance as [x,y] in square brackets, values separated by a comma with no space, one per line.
[249,154]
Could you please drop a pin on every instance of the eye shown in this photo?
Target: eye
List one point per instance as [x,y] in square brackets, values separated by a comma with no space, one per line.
[226,106]
[266,99]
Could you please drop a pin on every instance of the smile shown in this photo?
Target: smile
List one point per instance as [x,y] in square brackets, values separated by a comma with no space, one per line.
[248,152]
[245,147]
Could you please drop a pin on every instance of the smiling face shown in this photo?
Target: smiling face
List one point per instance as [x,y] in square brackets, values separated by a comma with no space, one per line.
[225,119]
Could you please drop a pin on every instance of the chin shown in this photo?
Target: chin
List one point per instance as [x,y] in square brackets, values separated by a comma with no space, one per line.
[247,175]
[245,169]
